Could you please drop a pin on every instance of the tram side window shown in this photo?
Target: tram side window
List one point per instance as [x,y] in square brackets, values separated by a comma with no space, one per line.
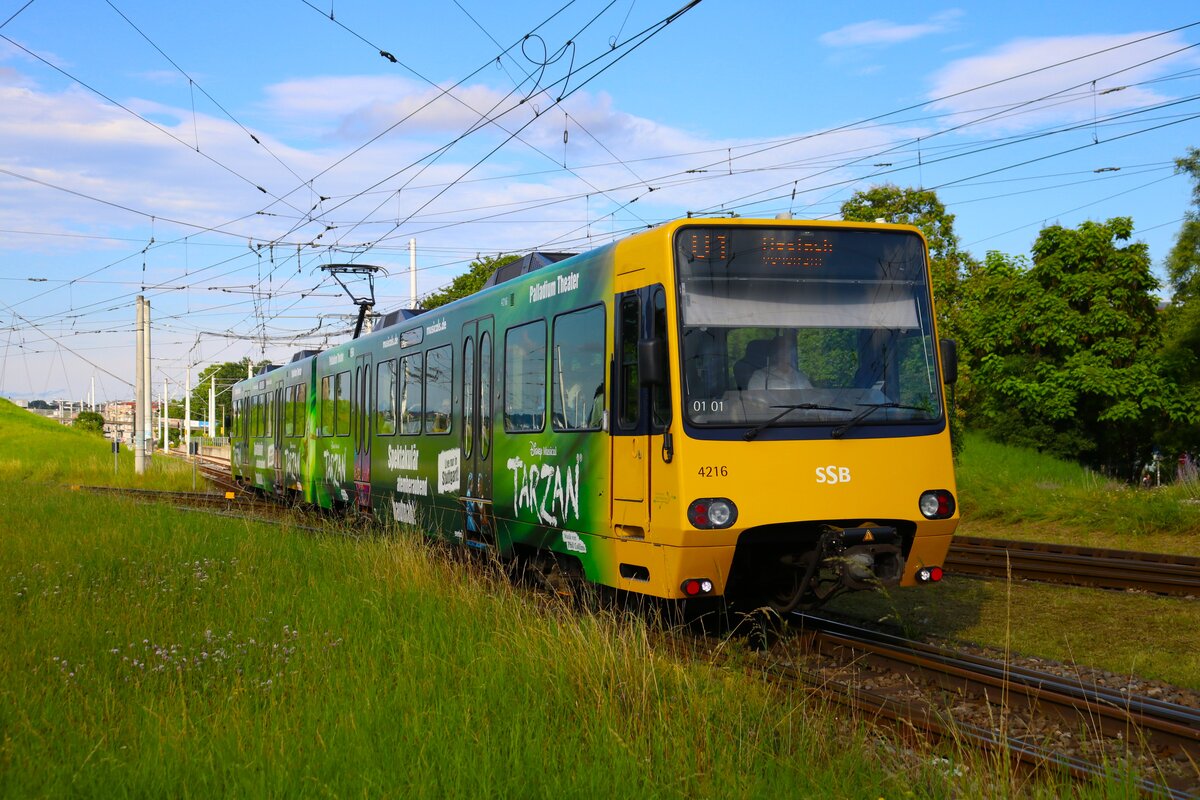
[411,378]
[385,398]
[289,411]
[237,419]
[342,404]
[327,406]
[525,377]
[485,393]
[660,396]
[577,372]
[439,375]
[468,396]
[628,401]
[301,410]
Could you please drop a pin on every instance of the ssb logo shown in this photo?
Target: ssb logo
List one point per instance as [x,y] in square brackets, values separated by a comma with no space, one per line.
[833,474]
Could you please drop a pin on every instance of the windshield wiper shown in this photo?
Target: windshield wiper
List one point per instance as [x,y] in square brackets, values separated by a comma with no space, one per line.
[870,409]
[757,429]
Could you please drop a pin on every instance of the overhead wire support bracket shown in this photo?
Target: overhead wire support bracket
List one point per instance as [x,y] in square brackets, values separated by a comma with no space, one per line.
[364,302]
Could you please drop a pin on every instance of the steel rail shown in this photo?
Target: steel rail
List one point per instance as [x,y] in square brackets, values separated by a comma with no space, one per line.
[156,494]
[1158,573]
[925,719]
[1170,731]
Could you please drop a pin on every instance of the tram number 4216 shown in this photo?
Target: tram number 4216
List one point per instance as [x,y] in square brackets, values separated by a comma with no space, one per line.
[713,472]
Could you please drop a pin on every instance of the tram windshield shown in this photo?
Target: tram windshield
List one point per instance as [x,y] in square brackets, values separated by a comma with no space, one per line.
[792,326]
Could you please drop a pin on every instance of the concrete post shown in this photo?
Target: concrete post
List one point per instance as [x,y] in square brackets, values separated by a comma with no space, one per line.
[139,405]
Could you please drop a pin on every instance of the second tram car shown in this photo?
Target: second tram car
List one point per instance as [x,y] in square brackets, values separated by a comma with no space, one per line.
[735,407]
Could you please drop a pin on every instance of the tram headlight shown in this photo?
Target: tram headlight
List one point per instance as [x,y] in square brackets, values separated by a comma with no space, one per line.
[936,504]
[712,512]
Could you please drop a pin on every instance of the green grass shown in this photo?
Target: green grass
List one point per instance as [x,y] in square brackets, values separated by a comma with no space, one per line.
[149,652]
[34,449]
[1011,492]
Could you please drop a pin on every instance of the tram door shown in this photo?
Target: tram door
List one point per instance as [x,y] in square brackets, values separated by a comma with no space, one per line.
[360,428]
[478,391]
[638,411]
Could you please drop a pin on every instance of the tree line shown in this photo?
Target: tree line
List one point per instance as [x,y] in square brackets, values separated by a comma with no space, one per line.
[1068,349]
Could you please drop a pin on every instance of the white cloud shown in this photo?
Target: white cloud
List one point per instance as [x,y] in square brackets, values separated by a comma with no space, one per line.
[71,138]
[885,32]
[1068,88]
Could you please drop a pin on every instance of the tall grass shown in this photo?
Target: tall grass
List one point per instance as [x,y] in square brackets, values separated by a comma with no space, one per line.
[38,450]
[146,651]
[1011,485]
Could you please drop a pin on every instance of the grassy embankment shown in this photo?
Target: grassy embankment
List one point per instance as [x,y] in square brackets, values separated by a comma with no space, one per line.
[1011,493]
[1014,493]
[152,652]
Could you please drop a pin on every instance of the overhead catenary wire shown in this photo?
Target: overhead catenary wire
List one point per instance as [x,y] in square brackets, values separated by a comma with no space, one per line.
[154,125]
[382,242]
[193,83]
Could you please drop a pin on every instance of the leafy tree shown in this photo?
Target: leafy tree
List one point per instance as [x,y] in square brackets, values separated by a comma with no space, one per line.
[469,282]
[227,374]
[1182,352]
[91,421]
[1065,353]
[1183,262]
[923,209]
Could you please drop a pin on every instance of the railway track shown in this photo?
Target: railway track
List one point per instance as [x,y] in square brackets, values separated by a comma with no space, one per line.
[1080,566]
[1039,718]
[190,499]
[234,502]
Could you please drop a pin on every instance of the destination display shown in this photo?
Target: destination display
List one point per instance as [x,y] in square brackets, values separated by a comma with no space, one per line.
[775,248]
[767,252]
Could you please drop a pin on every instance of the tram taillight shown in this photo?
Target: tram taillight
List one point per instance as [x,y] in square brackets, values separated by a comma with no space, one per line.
[929,574]
[694,587]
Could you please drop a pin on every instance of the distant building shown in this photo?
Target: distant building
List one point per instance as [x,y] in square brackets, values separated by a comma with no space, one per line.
[118,420]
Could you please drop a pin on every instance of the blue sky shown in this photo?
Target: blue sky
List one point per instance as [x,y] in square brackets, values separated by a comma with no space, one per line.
[219,153]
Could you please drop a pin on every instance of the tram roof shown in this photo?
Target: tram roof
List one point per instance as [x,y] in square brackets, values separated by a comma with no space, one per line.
[524,265]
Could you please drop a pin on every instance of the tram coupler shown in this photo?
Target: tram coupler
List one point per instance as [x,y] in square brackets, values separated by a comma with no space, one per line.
[865,557]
